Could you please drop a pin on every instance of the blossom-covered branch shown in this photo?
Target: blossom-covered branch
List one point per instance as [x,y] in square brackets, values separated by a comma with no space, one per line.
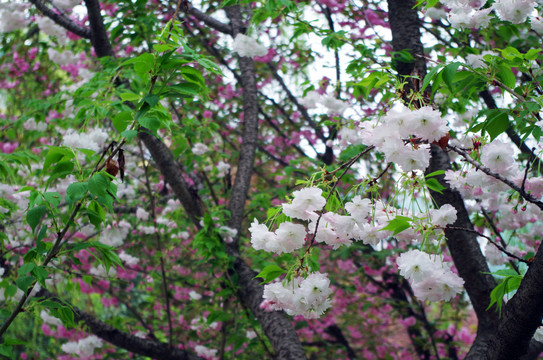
[522,192]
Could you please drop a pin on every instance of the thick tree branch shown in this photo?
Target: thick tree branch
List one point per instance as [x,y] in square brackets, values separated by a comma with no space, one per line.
[249,137]
[521,317]
[173,175]
[464,248]
[134,344]
[405,26]
[275,324]
[336,332]
[62,20]
[216,53]
[99,38]
[467,255]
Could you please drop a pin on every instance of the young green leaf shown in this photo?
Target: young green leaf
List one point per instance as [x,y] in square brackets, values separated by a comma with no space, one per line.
[270,273]
[34,216]
[398,224]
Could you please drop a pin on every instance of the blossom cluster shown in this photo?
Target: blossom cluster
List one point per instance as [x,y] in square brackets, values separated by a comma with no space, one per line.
[334,106]
[93,140]
[308,296]
[365,222]
[83,347]
[247,46]
[400,135]
[430,278]
[12,17]
[471,14]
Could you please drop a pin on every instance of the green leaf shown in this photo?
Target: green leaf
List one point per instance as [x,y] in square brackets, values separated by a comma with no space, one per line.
[532,106]
[449,72]
[272,212]
[270,273]
[187,89]
[152,100]
[314,259]
[142,69]
[30,255]
[142,64]
[160,48]
[532,54]
[24,282]
[505,272]
[192,75]
[34,216]
[511,53]
[41,274]
[11,290]
[435,173]
[41,247]
[6,350]
[226,3]
[76,191]
[61,170]
[53,198]
[96,213]
[430,76]
[26,268]
[55,154]
[496,123]
[151,123]
[398,224]
[130,96]
[505,74]
[98,185]
[129,134]
[509,284]
[66,315]
[107,256]
[434,185]
[122,120]
[218,316]
[15,342]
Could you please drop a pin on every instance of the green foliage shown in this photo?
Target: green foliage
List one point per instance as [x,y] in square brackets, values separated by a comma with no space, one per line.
[270,273]
[510,283]
[398,224]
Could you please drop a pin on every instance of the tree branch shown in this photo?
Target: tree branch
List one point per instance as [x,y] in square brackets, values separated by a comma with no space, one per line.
[244,172]
[464,248]
[210,21]
[114,336]
[99,38]
[467,256]
[527,196]
[62,20]
[173,175]
[521,316]
[275,324]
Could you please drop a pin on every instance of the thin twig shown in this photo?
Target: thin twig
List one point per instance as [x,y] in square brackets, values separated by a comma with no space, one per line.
[502,249]
[499,235]
[346,166]
[527,196]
